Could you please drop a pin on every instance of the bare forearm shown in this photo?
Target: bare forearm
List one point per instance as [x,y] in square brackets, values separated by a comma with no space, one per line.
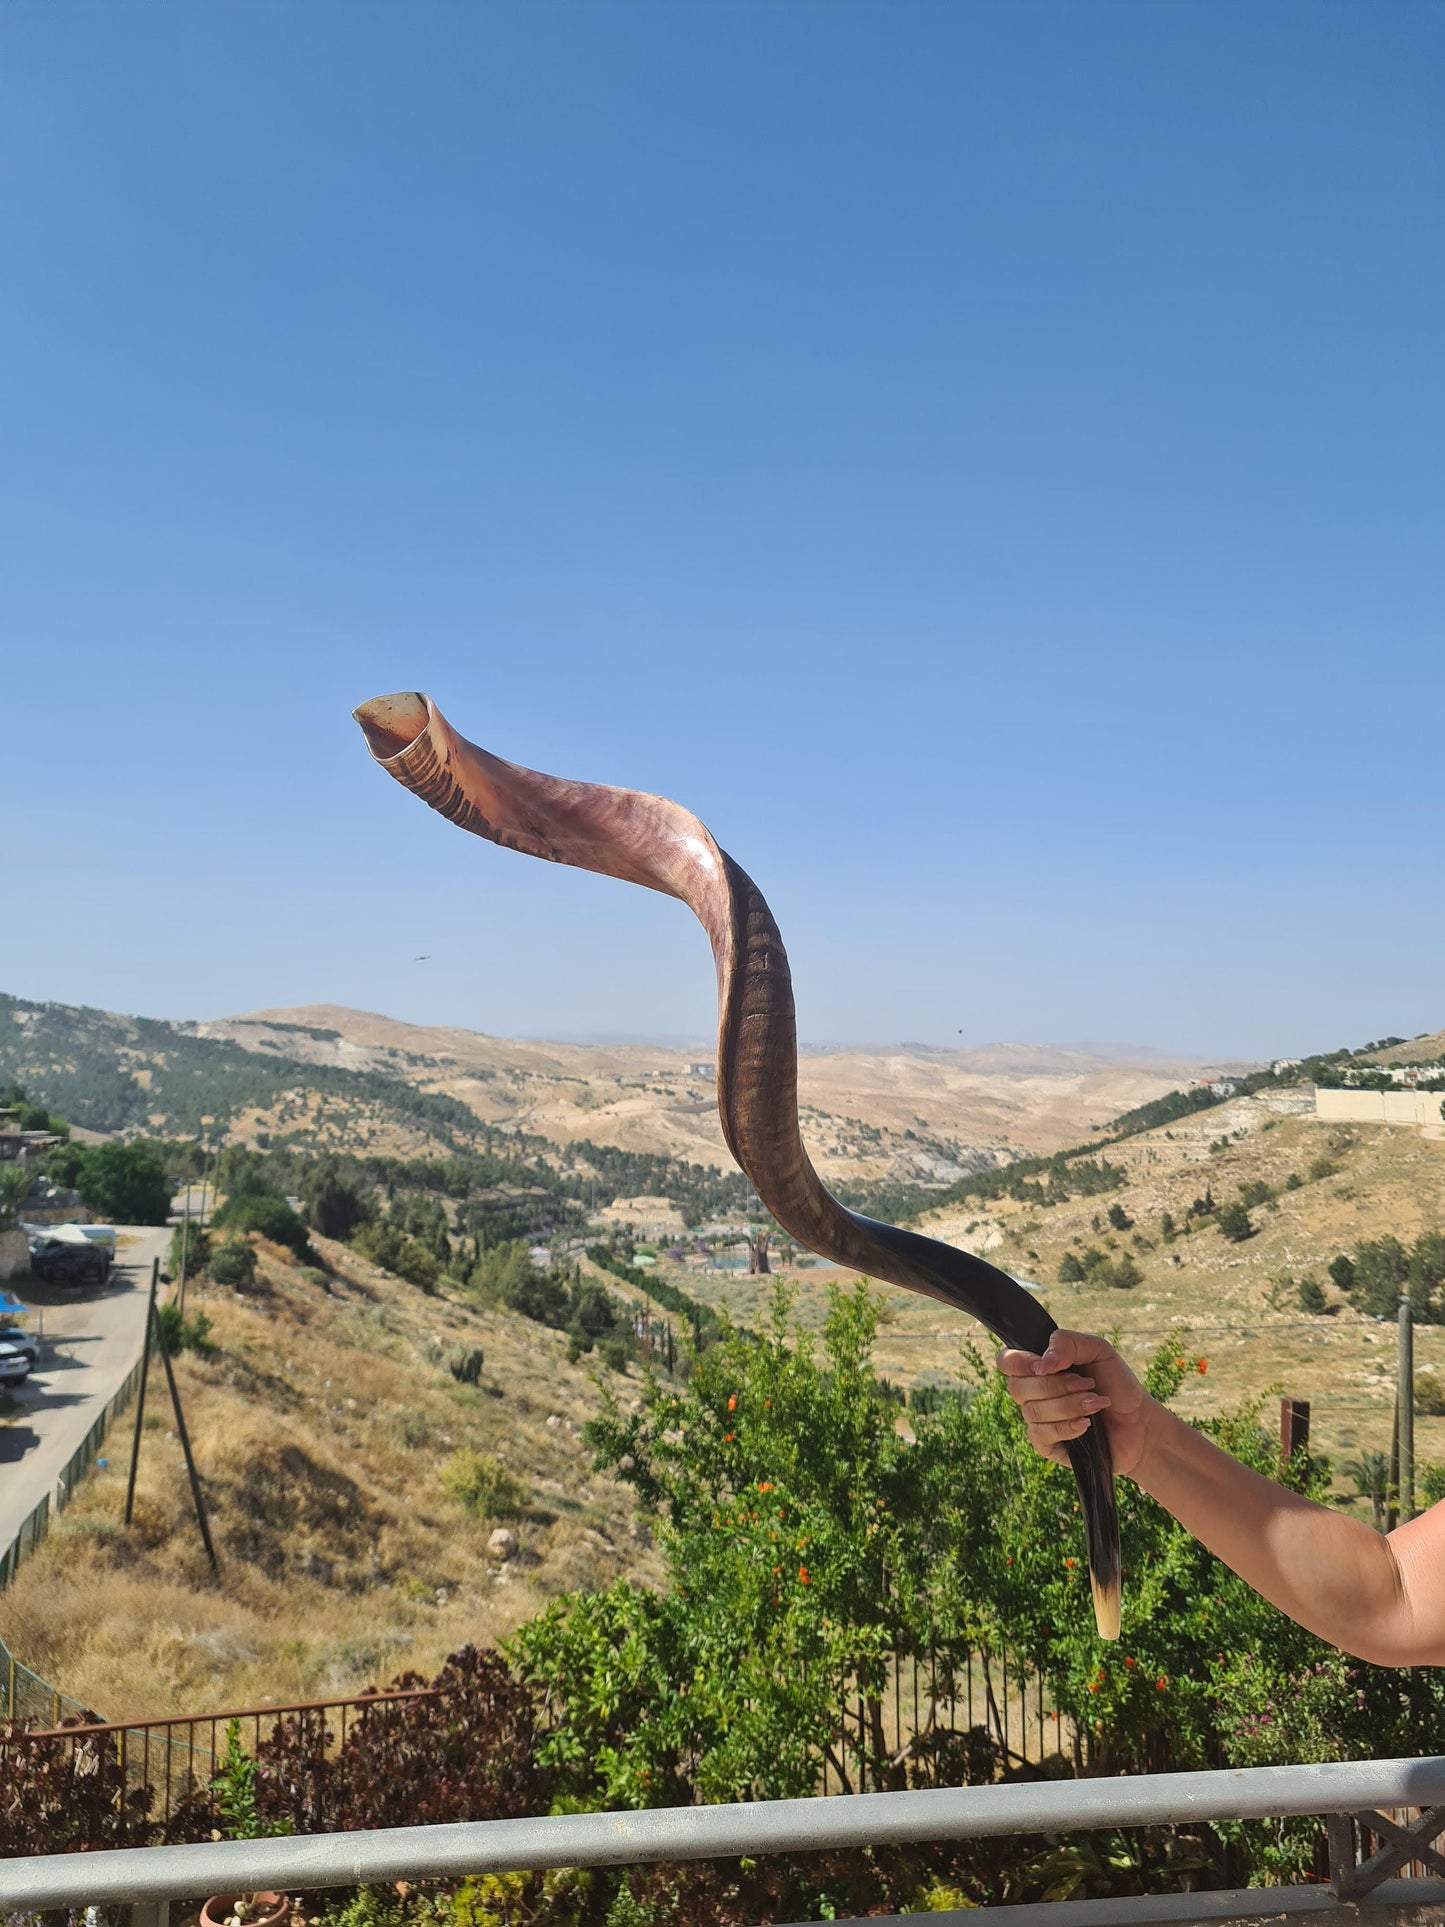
[1331,1573]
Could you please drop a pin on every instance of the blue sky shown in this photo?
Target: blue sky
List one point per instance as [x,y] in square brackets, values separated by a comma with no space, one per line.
[985,459]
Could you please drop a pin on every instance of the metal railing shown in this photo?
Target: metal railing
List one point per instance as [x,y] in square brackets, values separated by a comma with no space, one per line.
[1351,1793]
[175,1757]
[36,1524]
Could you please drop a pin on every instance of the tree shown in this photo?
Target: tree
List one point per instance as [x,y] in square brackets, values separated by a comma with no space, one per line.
[1119,1218]
[1070,1271]
[336,1205]
[264,1212]
[15,1182]
[507,1273]
[1382,1271]
[125,1183]
[387,1245]
[1311,1295]
[1342,1272]
[1235,1223]
[758,1264]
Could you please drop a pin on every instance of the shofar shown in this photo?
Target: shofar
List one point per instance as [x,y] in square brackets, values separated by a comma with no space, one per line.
[648,840]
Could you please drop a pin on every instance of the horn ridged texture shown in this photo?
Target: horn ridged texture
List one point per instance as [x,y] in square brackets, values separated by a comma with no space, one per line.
[648,840]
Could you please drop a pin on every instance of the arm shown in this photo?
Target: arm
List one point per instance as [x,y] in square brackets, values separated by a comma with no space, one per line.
[1380,1598]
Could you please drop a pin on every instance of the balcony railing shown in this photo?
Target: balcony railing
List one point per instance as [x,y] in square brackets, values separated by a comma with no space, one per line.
[1356,1797]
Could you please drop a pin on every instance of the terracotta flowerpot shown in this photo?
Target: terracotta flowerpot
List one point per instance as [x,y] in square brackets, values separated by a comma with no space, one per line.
[266,1910]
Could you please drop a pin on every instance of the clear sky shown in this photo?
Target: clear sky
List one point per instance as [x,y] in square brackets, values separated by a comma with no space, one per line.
[985,459]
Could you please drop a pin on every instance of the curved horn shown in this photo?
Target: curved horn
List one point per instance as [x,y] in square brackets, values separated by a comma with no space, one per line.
[648,840]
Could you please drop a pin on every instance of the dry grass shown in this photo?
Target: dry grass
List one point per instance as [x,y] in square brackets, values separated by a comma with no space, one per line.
[323,1430]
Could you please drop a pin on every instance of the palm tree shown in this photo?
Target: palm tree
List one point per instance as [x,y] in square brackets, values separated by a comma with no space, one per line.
[15,1180]
[1371,1474]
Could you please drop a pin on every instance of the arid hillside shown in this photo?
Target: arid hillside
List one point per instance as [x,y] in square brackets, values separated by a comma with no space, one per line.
[1240,1301]
[334,1445]
[906,1111]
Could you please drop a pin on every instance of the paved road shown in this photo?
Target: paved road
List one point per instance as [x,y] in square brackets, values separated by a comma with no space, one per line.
[96,1338]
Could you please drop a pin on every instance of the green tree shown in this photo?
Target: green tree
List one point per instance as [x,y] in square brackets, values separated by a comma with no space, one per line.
[336,1204]
[1234,1222]
[195,1241]
[387,1245]
[125,1183]
[1342,1272]
[1382,1272]
[15,1182]
[1070,1271]
[264,1212]
[1311,1295]
[1119,1218]
[507,1275]
[233,1263]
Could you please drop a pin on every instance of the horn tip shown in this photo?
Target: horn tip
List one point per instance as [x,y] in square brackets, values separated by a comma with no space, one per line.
[1106,1605]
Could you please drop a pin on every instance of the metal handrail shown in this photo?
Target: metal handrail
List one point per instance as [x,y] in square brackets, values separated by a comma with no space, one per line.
[300,1862]
[377,1696]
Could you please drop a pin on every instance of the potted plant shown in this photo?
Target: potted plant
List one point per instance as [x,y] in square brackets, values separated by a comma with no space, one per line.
[235,1789]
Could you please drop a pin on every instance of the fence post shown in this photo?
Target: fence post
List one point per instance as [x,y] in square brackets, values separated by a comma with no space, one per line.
[1294,1426]
[1406,1396]
[140,1408]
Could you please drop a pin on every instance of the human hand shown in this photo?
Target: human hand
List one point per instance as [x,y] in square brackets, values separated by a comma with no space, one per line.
[1079,1375]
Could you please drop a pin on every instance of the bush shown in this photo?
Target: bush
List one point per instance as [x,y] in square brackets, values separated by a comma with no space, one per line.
[1070,1271]
[1342,1273]
[1429,1395]
[389,1246]
[1235,1223]
[233,1263]
[465,1362]
[1119,1218]
[482,1485]
[179,1334]
[196,1241]
[1311,1295]
[1122,1275]
[613,1353]
[268,1215]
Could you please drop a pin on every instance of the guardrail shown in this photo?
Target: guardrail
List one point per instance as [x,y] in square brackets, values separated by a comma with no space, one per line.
[1351,1793]
[36,1524]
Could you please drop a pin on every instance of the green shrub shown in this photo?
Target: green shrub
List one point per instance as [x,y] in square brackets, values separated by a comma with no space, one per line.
[1070,1271]
[267,1215]
[613,1353]
[1235,1223]
[179,1334]
[1342,1273]
[233,1263]
[389,1246]
[1310,1294]
[506,1275]
[196,1242]
[124,1183]
[465,1362]
[482,1485]
[1429,1395]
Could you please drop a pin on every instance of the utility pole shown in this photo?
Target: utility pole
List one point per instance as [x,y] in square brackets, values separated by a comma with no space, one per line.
[185,1246]
[140,1399]
[1405,1406]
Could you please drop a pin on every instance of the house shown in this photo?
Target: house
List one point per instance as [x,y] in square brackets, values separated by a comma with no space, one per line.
[15,1143]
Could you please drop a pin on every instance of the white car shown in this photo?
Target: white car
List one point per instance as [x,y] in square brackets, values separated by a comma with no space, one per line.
[15,1339]
[14,1365]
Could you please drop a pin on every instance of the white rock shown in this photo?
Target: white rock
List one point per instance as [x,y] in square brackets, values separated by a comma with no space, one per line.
[502,1544]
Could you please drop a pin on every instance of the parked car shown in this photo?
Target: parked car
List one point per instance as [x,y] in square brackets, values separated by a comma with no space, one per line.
[14,1339]
[68,1264]
[14,1365]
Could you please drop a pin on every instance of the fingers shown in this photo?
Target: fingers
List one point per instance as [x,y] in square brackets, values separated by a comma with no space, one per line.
[1057,1404]
[1067,1349]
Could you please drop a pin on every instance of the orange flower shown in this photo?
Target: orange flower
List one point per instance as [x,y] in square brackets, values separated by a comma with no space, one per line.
[1008,1561]
[1129,1660]
[728,1437]
[1161,1685]
[1093,1686]
[1202,1367]
[803,1575]
[733,1402]
[1181,1363]
[1071,1563]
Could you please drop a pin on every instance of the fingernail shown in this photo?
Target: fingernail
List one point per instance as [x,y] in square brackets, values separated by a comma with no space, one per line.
[1043,1366]
[1095,1403]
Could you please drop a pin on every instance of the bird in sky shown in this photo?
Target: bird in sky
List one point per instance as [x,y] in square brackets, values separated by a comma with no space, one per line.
[425,959]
